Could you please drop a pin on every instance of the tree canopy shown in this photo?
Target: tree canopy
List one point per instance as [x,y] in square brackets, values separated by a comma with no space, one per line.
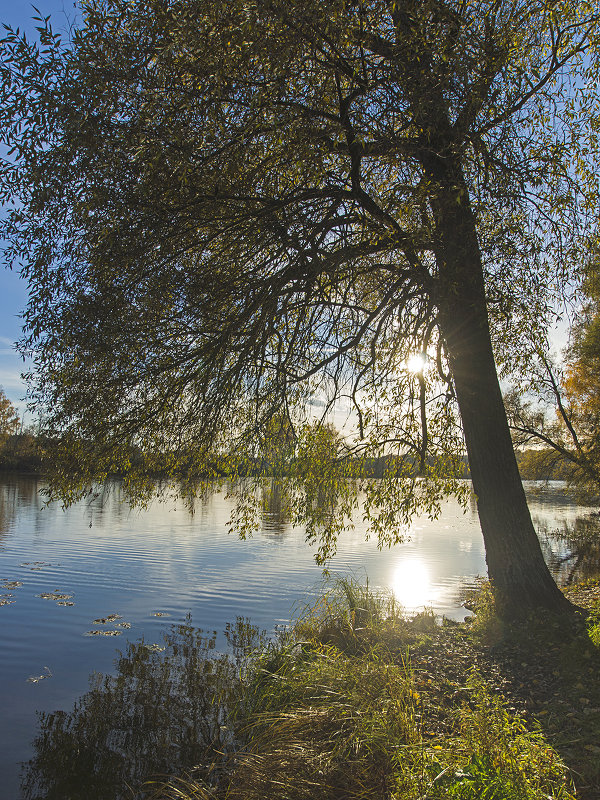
[564,415]
[582,383]
[234,210]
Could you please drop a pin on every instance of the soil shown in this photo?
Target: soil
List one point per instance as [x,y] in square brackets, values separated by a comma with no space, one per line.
[558,692]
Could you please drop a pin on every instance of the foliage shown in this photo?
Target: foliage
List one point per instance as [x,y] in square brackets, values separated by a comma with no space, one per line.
[594,628]
[331,707]
[571,433]
[338,709]
[20,448]
[582,385]
[235,212]
[180,218]
[545,464]
[9,419]
[23,452]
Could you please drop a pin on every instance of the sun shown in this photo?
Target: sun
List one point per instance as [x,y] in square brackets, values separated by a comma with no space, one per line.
[416,362]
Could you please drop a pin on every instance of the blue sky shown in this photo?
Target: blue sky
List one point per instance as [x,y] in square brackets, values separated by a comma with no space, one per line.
[13,292]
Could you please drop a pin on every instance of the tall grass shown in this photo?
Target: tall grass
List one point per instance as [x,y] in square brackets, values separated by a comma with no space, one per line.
[335,709]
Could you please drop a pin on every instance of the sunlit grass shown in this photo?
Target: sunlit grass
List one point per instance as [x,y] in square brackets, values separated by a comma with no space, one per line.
[353,701]
[336,708]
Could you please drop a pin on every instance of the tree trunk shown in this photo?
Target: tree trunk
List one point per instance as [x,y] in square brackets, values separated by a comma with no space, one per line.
[516,565]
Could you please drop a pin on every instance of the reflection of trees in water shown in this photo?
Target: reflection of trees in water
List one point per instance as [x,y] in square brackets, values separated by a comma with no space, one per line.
[162,713]
[275,506]
[282,502]
[573,550]
[550,493]
[14,493]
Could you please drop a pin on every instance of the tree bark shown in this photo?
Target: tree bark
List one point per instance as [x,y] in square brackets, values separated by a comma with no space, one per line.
[516,565]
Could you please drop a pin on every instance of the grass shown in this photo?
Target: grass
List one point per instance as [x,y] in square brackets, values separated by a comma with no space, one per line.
[552,669]
[354,701]
[357,702]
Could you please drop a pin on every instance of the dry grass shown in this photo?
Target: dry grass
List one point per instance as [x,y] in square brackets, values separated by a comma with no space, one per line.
[337,709]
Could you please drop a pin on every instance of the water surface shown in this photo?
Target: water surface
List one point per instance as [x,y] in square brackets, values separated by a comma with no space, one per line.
[76,586]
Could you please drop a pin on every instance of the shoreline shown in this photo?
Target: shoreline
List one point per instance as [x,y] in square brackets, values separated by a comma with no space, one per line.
[453,710]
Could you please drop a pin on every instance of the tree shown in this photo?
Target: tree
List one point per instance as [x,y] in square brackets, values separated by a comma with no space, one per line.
[229,210]
[565,416]
[582,385]
[9,419]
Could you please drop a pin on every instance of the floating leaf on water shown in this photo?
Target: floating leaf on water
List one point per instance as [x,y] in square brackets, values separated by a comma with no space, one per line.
[54,596]
[35,566]
[154,648]
[38,678]
[109,618]
[8,584]
[123,624]
[6,601]
[160,614]
[102,633]
[65,603]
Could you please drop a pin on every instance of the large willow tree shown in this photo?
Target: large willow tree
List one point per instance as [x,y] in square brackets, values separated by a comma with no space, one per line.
[233,213]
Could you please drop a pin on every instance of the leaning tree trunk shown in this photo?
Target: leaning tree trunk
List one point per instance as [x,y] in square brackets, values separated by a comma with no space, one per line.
[516,565]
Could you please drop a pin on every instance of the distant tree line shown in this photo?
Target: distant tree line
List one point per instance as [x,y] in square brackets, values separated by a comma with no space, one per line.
[544,464]
[21,452]
[20,448]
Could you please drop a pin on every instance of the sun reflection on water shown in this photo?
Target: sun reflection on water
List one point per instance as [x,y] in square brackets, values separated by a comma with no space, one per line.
[412,585]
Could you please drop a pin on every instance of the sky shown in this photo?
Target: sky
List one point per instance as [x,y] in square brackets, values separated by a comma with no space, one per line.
[13,291]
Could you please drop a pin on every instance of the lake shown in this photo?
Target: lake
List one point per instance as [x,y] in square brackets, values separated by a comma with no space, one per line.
[76,586]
